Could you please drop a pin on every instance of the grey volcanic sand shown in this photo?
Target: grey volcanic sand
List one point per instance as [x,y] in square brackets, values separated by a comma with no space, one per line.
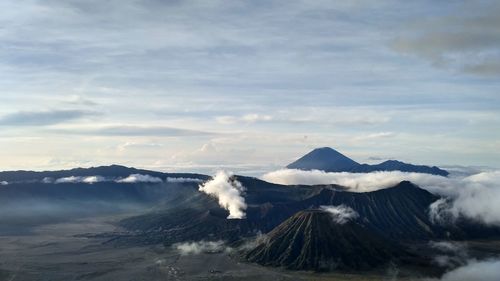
[53,252]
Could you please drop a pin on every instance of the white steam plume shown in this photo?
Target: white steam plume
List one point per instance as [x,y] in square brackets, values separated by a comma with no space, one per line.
[475,197]
[195,248]
[136,178]
[341,214]
[229,193]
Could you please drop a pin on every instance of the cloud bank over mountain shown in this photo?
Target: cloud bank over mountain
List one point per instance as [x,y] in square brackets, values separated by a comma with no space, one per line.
[476,197]
[75,179]
[135,178]
[182,180]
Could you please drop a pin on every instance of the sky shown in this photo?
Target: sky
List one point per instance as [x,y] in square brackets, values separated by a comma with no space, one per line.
[247,86]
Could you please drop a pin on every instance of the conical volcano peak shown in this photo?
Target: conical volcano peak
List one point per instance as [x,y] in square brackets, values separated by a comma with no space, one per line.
[326,159]
[325,149]
[311,240]
[327,152]
[407,184]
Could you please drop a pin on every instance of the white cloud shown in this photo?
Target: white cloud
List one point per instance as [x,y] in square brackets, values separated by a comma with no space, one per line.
[451,254]
[93,179]
[208,148]
[247,118]
[226,120]
[47,180]
[467,39]
[356,182]
[136,145]
[341,214]
[488,270]
[441,211]
[128,130]
[79,100]
[229,193]
[71,179]
[252,118]
[476,197]
[195,248]
[242,67]
[374,136]
[135,178]
[465,171]
[3,183]
[182,180]
[41,118]
[74,179]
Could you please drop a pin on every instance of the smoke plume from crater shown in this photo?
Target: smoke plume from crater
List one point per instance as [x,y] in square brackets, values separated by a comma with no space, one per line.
[229,192]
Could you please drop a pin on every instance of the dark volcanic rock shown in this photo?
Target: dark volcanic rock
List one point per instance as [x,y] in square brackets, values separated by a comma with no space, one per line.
[311,240]
[399,213]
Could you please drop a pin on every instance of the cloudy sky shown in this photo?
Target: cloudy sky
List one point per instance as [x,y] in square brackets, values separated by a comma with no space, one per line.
[247,85]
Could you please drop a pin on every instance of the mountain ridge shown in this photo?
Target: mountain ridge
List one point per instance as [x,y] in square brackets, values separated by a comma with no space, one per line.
[175,212]
[105,171]
[330,160]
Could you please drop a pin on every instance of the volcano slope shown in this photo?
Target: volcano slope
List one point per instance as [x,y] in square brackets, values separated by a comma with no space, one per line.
[192,215]
[312,240]
[400,213]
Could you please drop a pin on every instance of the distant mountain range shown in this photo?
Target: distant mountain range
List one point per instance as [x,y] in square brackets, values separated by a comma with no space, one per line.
[330,160]
[116,171]
[29,198]
[298,233]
